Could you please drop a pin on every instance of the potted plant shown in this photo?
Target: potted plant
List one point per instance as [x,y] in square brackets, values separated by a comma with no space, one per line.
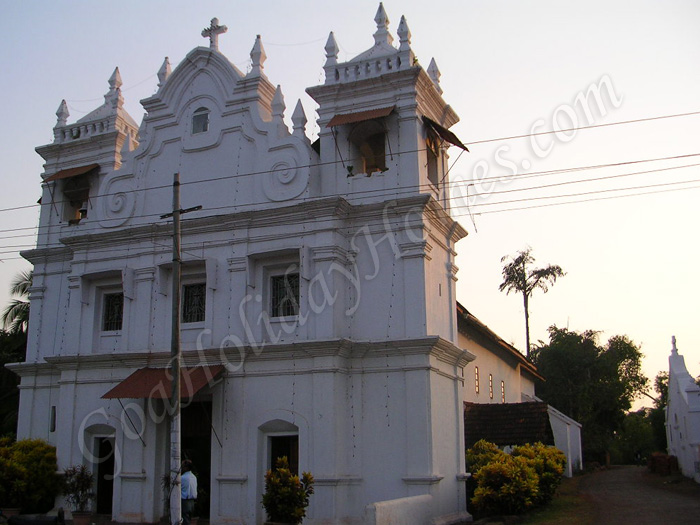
[286,495]
[77,487]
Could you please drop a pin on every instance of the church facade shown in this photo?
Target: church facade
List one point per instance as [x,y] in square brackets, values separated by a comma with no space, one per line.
[683,415]
[318,313]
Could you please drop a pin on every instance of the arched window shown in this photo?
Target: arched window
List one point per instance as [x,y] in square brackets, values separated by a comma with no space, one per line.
[200,120]
[368,140]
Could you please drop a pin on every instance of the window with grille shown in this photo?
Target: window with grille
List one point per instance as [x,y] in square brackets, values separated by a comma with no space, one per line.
[284,295]
[490,386]
[194,299]
[476,379]
[113,311]
[503,391]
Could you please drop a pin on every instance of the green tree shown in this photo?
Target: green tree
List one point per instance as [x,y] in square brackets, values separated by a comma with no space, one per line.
[636,436]
[594,384]
[518,276]
[657,415]
[15,317]
[13,348]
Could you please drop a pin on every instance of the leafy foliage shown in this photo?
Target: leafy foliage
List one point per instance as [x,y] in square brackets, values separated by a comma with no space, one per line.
[514,483]
[286,496]
[28,477]
[507,485]
[77,487]
[636,436]
[481,454]
[15,317]
[12,350]
[518,276]
[593,384]
[548,463]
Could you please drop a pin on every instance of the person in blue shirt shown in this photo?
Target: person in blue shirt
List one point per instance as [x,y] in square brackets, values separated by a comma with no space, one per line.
[188,482]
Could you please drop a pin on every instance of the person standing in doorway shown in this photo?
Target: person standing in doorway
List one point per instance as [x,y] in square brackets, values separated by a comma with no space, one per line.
[189,491]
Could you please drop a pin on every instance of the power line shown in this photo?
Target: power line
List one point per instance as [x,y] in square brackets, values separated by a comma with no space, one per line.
[634,121]
[201,245]
[422,149]
[403,191]
[585,200]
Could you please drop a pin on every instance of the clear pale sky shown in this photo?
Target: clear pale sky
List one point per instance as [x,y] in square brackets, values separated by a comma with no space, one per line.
[631,261]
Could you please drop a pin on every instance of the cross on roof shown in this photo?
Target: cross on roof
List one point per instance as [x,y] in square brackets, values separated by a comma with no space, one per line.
[212,32]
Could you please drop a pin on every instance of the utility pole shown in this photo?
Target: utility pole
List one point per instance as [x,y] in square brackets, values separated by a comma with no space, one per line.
[175,443]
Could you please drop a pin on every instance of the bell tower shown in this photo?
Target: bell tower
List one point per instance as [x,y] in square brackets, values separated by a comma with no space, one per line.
[383,122]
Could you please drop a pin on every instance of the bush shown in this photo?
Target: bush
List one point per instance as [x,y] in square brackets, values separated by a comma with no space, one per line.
[507,485]
[548,463]
[482,453]
[286,496]
[28,478]
[515,483]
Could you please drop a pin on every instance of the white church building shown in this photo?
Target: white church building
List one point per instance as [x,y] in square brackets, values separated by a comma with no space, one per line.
[318,291]
[683,415]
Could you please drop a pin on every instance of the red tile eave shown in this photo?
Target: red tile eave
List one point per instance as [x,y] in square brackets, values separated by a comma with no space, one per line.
[359,116]
[156,383]
[71,172]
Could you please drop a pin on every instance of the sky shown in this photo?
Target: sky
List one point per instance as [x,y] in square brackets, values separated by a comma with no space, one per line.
[626,240]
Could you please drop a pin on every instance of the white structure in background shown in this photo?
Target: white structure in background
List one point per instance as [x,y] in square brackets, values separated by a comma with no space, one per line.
[318,317]
[500,374]
[683,415]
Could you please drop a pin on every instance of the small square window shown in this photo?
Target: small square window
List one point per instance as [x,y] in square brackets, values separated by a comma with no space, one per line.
[284,295]
[200,120]
[194,298]
[112,311]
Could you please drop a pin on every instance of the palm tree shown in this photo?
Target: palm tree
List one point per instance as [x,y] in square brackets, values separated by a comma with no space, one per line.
[518,277]
[15,317]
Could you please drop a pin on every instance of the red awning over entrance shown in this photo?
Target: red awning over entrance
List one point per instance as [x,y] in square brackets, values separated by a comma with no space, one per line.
[156,383]
[360,116]
[71,172]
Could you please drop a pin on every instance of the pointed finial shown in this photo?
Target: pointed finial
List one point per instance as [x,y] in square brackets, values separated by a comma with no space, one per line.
[278,105]
[127,146]
[114,95]
[331,50]
[434,74]
[299,121]
[212,33]
[257,57]
[674,350]
[62,114]
[164,72]
[382,35]
[404,35]
[115,81]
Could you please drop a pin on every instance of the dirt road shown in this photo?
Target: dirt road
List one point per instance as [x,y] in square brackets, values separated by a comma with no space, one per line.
[634,495]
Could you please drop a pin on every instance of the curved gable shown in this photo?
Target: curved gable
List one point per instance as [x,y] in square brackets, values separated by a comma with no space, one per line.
[200,67]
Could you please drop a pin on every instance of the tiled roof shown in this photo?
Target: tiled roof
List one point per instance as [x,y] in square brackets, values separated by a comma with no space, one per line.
[507,423]
[472,327]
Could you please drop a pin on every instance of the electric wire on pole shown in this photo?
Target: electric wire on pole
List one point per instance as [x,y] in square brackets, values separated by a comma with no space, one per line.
[175,442]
